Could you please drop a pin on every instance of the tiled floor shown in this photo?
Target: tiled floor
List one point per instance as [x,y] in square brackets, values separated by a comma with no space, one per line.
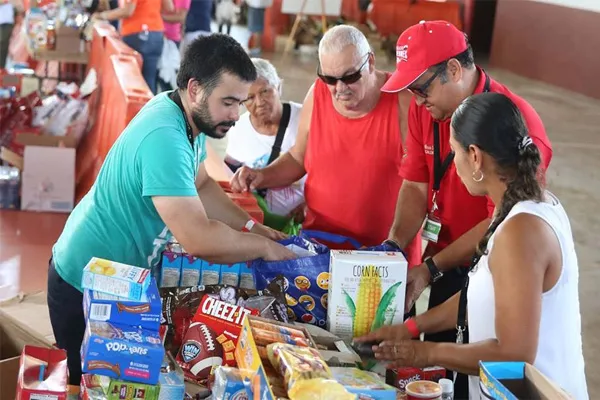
[572,122]
[26,241]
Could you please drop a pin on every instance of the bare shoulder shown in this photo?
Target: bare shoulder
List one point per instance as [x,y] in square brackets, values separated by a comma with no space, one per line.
[525,236]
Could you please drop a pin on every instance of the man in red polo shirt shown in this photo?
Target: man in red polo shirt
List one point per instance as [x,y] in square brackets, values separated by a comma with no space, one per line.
[435,62]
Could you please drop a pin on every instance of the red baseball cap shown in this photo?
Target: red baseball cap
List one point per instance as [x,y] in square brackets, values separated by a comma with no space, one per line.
[421,46]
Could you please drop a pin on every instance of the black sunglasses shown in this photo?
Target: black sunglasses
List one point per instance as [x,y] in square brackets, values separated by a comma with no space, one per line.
[347,79]
[421,90]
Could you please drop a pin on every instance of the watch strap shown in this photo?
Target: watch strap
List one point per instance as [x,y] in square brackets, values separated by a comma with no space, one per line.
[433,269]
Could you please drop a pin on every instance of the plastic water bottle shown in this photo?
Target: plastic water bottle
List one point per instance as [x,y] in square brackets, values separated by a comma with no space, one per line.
[145,33]
[447,389]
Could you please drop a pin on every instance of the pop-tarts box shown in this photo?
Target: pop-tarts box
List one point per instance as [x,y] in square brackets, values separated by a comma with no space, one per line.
[190,270]
[114,278]
[145,313]
[210,274]
[230,274]
[247,277]
[171,381]
[122,352]
[170,270]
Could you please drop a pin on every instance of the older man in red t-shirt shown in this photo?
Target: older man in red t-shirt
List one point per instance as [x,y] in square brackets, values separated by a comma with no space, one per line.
[435,63]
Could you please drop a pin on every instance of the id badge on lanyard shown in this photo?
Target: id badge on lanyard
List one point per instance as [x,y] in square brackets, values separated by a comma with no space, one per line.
[433,224]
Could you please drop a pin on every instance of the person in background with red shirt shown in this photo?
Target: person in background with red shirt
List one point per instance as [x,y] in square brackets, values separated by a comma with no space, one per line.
[349,145]
[435,63]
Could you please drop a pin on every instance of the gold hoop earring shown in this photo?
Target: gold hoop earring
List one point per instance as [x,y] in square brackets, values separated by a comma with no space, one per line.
[480,177]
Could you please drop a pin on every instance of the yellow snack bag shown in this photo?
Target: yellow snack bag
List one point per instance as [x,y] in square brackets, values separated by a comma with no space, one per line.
[307,376]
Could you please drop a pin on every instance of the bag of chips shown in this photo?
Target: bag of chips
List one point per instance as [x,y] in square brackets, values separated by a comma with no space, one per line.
[306,375]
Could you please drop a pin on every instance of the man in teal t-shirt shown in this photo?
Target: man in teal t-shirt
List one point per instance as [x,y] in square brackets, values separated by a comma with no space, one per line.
[153,184]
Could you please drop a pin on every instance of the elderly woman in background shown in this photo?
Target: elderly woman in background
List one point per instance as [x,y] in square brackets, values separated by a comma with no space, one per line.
[266,130]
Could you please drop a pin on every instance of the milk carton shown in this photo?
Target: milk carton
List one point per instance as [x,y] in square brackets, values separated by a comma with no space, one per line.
[366,291]
[114,278]
[122,352]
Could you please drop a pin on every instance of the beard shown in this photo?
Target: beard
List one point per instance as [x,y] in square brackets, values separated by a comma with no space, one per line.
[204,122]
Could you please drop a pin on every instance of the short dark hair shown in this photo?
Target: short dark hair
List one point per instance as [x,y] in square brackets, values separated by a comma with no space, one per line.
[466,60]
[208,57]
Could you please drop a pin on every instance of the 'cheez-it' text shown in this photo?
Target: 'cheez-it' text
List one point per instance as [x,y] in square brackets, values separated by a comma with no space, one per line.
[222,310]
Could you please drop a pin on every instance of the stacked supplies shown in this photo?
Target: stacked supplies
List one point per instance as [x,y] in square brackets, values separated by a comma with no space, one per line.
[122,308]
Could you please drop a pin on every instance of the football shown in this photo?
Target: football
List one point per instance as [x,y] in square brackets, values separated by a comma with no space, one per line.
[200,351]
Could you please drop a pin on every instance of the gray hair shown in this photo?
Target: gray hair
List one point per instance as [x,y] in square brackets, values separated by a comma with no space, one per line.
[267,71]
[339,37]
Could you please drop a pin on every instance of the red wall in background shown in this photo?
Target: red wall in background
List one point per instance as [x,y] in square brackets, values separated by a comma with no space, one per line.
[554,44]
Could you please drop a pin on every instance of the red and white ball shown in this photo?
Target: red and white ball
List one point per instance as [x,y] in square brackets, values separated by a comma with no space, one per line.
[200,350]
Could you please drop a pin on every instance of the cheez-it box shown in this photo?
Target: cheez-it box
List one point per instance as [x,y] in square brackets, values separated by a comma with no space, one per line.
[225,320]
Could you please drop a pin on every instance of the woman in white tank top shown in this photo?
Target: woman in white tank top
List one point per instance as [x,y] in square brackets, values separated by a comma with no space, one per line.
[522,301]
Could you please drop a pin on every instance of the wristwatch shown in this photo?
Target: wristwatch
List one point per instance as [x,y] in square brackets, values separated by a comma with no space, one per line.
[392,243]
[435,273]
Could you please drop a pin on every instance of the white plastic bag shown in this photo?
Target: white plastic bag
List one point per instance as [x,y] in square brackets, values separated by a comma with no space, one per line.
[168,65]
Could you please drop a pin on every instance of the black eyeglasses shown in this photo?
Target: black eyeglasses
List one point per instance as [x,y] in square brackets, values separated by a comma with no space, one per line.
[347,79]
[421,90]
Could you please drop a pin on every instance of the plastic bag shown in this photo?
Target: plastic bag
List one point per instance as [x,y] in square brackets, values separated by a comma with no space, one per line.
[306,280]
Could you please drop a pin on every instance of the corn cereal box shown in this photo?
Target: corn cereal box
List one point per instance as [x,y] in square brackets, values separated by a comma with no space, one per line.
[114,278]
[366,291]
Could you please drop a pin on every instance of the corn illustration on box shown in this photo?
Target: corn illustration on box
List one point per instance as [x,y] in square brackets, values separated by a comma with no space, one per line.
[366,291]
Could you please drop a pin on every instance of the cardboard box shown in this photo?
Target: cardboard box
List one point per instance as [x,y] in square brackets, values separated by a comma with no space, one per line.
[354,274]
[13,338]
[145,313]
[117,279]
[516,380]
[249,361]
[43,374]
[122,352]
[31,313]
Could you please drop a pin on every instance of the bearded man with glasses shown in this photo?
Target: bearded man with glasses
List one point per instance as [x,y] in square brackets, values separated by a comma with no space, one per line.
[349,146]
[435,63]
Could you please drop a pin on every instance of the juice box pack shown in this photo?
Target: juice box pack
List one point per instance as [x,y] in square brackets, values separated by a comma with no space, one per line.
[114,278]
[366,291]
[122,352]
[145,313]
[181,269]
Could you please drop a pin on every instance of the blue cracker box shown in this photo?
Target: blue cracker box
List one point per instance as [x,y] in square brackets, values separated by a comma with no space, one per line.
[122,352]
[170,269]
[230,274]
[190,270]
[145,313]
[171,381]
[210,274]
